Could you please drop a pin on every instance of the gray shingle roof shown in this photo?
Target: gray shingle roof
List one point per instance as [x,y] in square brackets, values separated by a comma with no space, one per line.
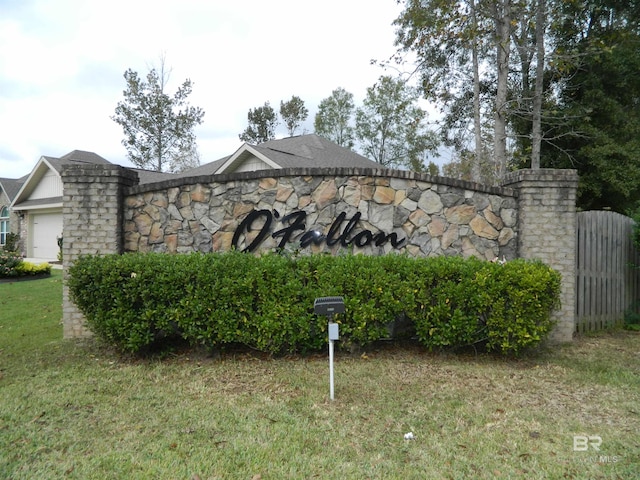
[77,156]
[312,151]
[151,176]
[206,169]
[304,151]
[12,186]
[39,201]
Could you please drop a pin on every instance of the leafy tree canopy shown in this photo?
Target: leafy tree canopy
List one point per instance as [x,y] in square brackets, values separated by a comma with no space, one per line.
[333,120]
[573,91]
[293,112]
[599,104]
[390,126]
[158,127]
[262,125]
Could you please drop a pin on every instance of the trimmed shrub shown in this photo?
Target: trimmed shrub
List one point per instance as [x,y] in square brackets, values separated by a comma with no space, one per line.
[9,265]
[31,269]
[135,300]
[130,300]
[503,307]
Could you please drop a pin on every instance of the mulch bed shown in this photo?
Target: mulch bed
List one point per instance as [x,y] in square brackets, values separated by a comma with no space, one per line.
[25,278]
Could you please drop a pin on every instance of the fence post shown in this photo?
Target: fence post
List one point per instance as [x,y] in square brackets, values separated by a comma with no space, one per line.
[547,232]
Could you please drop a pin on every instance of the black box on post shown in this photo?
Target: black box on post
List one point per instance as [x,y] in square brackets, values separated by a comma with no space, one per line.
[328,306]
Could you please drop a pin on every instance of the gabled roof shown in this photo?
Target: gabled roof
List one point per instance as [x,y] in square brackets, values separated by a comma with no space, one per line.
[77,157]
[245,153]
[206,169]
[45,164]
[312,151]
[305,151]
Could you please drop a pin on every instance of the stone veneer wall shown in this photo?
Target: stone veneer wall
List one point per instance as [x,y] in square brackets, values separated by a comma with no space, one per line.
[435,216]
[106,212]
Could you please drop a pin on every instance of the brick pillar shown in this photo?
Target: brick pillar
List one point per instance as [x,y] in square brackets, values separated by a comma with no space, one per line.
[92,220]
[547,232]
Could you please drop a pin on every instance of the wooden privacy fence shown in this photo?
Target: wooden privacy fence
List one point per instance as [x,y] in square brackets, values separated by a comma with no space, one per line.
[607,283]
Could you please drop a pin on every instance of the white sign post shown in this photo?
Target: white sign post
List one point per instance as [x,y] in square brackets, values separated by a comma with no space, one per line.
[329,306]
[333,335]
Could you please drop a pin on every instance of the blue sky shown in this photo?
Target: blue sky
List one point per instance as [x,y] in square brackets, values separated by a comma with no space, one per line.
[62,61]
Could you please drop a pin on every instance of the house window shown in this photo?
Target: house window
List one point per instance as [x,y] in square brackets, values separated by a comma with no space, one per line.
[4,225]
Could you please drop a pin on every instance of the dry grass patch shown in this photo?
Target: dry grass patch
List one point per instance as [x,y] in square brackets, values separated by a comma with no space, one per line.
[70,410]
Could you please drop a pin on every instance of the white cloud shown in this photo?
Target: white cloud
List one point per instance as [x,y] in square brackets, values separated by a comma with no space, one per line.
[61,64]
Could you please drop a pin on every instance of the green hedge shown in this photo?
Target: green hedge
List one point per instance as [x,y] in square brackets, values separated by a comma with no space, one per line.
[135,300]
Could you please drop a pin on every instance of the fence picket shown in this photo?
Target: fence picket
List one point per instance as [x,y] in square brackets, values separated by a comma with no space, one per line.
[606,280]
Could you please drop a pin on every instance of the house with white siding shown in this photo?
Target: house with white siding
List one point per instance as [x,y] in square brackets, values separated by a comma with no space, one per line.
[38,205]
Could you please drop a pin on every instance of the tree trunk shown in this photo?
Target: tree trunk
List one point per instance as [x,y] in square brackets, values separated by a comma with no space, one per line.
[477,131]
[502,17]
[536,128]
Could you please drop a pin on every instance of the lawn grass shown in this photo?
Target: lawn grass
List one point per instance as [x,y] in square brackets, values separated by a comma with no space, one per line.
[77,410]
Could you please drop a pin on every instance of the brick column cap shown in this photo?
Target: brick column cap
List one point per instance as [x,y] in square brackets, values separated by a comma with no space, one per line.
[569,176]
[74,173]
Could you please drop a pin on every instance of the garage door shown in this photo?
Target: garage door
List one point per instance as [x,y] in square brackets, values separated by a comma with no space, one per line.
[47,227]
